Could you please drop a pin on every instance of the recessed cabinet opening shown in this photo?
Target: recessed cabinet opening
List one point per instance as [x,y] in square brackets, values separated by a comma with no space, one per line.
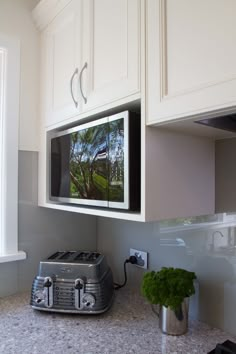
[97,163]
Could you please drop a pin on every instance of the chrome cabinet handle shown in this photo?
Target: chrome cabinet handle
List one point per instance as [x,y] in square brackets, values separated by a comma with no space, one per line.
[80,81]
[71,87]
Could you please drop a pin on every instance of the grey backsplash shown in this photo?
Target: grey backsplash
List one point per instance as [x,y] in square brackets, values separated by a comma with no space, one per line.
[212,257]
[41,231]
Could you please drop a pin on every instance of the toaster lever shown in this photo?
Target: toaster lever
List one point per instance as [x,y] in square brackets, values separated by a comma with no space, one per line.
[48,292]
[79,292]
[78,286]
[48,283]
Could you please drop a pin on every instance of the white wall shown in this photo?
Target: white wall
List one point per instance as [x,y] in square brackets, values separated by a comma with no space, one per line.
[41,231]
[16,21]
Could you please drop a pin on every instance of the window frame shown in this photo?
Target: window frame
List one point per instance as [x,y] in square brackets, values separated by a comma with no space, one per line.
[9,124]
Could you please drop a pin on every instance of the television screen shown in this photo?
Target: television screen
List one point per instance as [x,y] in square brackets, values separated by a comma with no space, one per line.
[88,163]
[97,163]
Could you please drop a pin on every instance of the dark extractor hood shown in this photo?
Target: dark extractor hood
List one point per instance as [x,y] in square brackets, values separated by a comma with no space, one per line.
[227,122]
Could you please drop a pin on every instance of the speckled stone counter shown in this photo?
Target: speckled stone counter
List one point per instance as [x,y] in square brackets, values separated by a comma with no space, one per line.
[129,326]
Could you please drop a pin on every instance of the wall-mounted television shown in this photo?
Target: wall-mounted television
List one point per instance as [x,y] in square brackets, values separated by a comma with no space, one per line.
[98,163]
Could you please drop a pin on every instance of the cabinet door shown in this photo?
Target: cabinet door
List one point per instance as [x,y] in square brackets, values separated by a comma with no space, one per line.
[62,59]
[111,50]
[191,57]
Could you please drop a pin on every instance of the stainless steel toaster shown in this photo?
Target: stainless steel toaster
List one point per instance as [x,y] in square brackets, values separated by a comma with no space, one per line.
[73,282]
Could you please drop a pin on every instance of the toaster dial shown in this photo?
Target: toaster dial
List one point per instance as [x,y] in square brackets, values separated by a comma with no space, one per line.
[88,301]
[39,297]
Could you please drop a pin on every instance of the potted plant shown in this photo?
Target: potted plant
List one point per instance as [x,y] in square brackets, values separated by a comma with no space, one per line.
[170,288]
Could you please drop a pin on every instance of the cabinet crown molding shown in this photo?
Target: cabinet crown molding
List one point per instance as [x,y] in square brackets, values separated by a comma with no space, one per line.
[46,11]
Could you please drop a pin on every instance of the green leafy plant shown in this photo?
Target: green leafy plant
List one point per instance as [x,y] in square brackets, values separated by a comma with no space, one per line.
[168,287]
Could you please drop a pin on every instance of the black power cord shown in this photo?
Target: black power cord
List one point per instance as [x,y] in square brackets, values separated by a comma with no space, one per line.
[132,260]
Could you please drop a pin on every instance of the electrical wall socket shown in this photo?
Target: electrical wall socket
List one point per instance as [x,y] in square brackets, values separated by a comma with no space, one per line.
[142,257]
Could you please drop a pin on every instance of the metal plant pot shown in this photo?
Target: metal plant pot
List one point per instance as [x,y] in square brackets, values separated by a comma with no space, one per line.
[174,322]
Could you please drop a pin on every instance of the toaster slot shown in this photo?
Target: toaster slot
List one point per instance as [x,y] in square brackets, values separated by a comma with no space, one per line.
[82,256]
[93,256]
[48,290]
[66,255]
[86,256]
[55,255]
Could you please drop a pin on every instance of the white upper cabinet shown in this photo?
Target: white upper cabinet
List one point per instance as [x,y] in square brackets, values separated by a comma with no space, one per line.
[174,69]
[111,50]
[91,57]
[191,58]
[61,53]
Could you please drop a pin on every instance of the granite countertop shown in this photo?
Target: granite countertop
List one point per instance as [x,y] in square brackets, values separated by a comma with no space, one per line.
[129,326]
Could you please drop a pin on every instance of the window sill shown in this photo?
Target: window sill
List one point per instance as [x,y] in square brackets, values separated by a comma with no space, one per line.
[10,257]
